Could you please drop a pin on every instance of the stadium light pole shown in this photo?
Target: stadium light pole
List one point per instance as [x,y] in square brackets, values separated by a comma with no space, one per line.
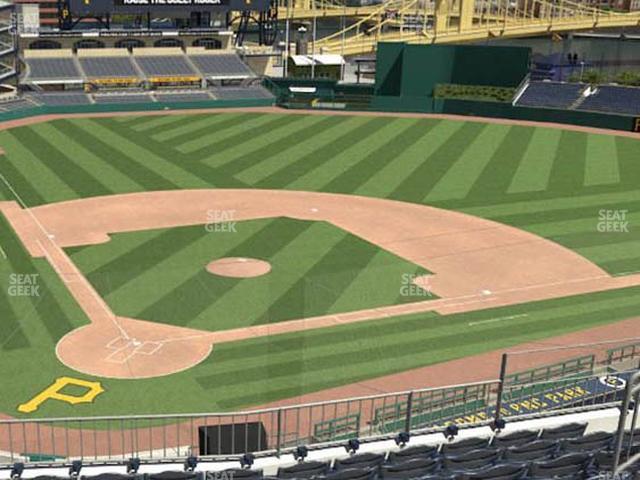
[286,42]
[313,48]
[344,26]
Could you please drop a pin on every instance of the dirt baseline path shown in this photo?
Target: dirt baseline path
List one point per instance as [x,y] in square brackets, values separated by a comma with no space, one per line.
[476,264]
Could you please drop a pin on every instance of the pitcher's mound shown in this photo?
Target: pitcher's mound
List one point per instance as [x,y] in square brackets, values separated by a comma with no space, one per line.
[239,267]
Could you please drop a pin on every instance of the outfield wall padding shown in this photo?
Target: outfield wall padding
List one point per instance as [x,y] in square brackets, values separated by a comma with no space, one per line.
[133,107]
[503,110]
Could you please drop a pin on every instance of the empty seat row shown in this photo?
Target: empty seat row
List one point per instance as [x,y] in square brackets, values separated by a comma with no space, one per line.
[613,99]
[562,452]
[227,65]
[550,94]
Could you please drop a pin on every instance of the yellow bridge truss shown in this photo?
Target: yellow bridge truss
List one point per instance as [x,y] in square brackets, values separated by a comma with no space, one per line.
[449,21]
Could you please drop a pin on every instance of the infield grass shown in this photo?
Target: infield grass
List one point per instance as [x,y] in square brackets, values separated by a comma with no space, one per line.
[316,269]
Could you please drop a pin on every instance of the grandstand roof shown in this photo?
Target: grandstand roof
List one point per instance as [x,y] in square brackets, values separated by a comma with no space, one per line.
[308,60]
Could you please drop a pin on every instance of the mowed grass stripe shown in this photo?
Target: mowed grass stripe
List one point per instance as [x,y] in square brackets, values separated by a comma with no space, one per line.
[171,132]
[134,150]
[432,325]
[193,297]
[75,176]
[176,133]
[602,161]
[299,156]
[361,171]
[418,185]
[207,175]
[625,266]
[253,167]
[92,257]
[535,168]
[593,238]
[326,339]
[159,122]
[176,263]
[357,130]
[341,264]
[133,119]
[201,138]
[233,160]
[251,301]
[565,214]
[496,177]
[422,348]
[628,151]
[355,150]
[554,229]
[552,204]
[392,285]
[625,248]
[112,178]
[49,312]
[17,183]
[567,174]
[458,181]
[103,148]
[12,335]
[202,143]
[399,169]
[116,273]
[275,143]
[594,223]
[19,163]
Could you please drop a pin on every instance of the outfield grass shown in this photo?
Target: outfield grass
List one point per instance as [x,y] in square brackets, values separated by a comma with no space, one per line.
[550,182]
[317,269]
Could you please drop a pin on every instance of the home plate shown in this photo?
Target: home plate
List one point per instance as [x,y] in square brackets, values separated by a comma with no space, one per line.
[485,292]
[314,210]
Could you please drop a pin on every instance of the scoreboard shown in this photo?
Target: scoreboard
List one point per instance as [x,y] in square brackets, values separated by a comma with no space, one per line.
[139,7]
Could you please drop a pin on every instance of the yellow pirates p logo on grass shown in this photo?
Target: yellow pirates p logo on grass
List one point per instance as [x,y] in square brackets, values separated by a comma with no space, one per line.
[54,392]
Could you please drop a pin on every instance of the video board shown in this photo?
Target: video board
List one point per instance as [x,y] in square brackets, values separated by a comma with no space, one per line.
[161,7]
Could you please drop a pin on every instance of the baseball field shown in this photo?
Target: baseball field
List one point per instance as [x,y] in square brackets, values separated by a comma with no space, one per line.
[211,262]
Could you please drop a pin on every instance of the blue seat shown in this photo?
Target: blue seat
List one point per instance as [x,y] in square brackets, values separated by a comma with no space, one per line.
[413,468]
[362,460]
[303,470]
[471,460]
[571,430]
[516,438]
[419,451]
[538,450]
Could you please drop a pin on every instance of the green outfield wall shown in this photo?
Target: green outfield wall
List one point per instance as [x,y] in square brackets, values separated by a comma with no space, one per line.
[133,107]
[415,70]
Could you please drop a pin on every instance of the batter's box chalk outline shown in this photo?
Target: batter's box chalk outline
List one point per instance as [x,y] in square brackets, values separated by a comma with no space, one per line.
[118,343]
[124,349]
[148,348]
